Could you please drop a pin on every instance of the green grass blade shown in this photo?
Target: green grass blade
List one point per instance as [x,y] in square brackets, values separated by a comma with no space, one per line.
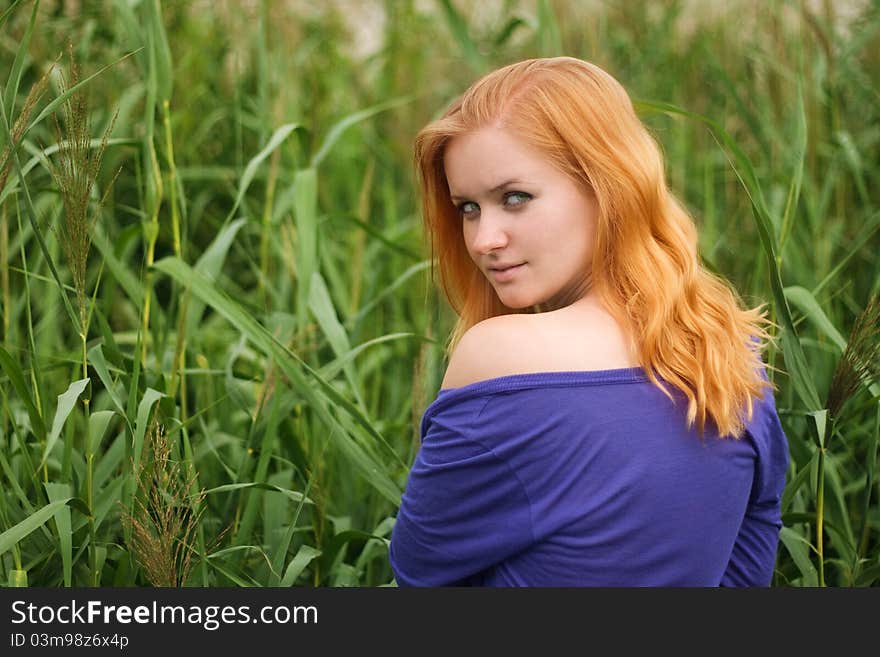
[108,498]
[20,496]
[14,534]
[210,264]
[457,25]
[291,494]
[263,339]
[871,226]
[331,369]
[110,461]
[108,339]
[336,544]
[549,39]
[161,51]
[56,493]
[322,308]
[870,468]
[98,423]
[799,549]
[836,510]
[142,423]
[21,54]
[242,581]
[508,29]
[378,235]
[13,371]
[32,218]
[306,216]
[8,11]
[304,556]
[284,545]
[17,579]
[869,576]
[795,483]
[856,163]
[374,471]
[743,108]
[337,129]
[132,286]
[99,364]
[799,155]
[66,401]
[250,170]
[56,102]
[40,156]
[266,448]
[803,299]
[389,290]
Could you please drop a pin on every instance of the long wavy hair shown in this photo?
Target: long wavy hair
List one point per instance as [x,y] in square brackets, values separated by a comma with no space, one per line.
[689,326]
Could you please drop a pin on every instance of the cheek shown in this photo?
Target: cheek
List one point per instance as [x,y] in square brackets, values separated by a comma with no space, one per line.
[468,232]
[583,230]
[574,242]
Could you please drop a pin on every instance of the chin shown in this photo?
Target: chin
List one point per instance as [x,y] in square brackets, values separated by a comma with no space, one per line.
[517,301]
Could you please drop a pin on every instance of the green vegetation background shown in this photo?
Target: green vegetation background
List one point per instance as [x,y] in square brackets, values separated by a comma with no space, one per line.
[219,328]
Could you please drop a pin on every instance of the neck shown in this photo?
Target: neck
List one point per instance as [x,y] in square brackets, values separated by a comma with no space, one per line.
[570,295]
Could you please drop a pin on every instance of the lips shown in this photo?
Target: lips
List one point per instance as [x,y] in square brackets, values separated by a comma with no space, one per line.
[505,273]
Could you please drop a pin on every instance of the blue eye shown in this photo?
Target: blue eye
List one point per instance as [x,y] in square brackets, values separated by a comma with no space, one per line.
[463,208]
[521,195]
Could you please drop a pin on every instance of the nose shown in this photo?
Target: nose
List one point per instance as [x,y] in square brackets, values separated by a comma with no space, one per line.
[489,233]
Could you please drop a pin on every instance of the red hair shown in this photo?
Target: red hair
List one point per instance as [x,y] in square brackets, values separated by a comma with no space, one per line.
[689,326]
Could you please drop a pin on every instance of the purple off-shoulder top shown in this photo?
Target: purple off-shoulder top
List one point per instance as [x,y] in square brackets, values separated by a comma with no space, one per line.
[587,479]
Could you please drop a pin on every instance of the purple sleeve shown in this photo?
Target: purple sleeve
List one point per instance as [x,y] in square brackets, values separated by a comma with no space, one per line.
[754,552]
[463,510]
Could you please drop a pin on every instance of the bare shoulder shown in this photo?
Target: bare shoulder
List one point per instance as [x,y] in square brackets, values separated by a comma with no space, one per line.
[571,339]
[484,350]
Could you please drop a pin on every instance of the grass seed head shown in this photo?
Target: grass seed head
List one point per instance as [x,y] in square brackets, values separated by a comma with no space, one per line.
[860,362]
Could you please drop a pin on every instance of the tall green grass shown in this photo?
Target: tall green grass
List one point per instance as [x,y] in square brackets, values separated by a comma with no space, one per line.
[220,330]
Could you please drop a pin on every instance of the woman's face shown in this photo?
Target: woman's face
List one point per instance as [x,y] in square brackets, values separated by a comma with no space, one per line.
[527,226]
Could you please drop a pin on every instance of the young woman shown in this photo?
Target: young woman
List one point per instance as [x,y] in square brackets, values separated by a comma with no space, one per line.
[605,418]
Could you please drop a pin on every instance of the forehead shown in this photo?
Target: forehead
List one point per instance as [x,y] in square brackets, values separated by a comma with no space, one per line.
[480,160]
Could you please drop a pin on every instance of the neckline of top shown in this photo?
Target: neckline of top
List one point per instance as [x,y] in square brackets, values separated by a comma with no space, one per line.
[563,378]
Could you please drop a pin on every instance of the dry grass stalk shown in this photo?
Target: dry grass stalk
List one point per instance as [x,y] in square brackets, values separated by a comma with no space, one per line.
[166,516]
[860,362]
[20,125]
[75,173]
[5,296]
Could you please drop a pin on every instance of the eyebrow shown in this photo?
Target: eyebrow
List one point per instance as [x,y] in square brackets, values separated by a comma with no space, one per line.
[506,183]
